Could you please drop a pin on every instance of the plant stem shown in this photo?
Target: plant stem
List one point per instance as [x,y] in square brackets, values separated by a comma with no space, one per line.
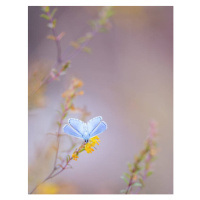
[58,140]
[48,177]
[59,59]
[72,55]
[51,175]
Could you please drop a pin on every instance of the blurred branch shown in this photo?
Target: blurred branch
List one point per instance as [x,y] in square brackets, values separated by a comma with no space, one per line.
[88,147]
[52,25]
[100,24]
[62,168]
[68,96]
[140,169]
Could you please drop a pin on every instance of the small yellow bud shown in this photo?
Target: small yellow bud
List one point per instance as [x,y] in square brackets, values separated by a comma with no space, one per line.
[77,83]
[81,92]
[134,177]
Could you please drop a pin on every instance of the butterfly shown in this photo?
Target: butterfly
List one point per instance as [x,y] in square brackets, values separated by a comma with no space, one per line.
[85,131]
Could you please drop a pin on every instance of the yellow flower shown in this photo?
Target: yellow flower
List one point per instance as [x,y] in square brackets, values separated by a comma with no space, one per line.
[153,151]
[88,148]
[77,83]
[48,188]
[81,92]
[68,93]
[74,156]
[72,107]
[134,177]
[95,140]
[91,143]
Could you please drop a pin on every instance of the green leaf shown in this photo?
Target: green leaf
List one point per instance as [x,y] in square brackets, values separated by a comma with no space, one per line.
[125,180]
[83,149]
[67,158]
[149,173]
[44,16]
[102,21]
[59,124]
[53,12]
[141,181]
[109,13]
[87,50]
[130,166]
[127,175]
[65,115]
[54,23]
[65,66]
[45,8]
[137,184]
[138,169]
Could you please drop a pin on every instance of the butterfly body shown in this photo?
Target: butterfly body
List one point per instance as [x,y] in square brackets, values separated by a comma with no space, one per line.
[85,131]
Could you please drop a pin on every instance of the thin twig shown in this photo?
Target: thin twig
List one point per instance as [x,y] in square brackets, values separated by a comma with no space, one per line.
[59,59]
[72,55]
[48,177]
[51,175]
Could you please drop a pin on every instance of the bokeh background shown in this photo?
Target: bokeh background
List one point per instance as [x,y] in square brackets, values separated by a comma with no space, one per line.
[128,79]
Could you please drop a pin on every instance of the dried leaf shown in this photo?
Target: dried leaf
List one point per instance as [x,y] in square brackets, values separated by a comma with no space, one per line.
[76,45]
[60,166]
[60,36]
[51,134]
[51,37]
[54,148]
[72,107]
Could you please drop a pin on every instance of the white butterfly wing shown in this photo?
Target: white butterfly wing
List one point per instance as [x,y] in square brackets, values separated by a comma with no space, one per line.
[78,125]
[99,129]
[70,131]
[78,129]
[93,123]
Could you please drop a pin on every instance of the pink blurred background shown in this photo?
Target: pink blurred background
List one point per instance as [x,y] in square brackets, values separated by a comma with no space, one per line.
[128,80]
